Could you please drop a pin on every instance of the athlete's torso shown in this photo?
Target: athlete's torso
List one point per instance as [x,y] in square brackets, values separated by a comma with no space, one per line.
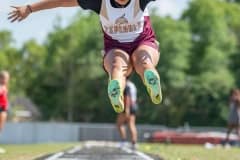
[123,24]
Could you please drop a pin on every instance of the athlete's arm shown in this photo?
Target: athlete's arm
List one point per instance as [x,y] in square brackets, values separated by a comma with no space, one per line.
[48,4]
[21,12]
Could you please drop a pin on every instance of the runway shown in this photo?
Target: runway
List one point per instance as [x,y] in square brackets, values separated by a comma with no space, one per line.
[100,151]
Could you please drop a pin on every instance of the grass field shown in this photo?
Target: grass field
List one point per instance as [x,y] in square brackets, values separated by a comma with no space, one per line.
[168,152]
[29,152]
[190,152]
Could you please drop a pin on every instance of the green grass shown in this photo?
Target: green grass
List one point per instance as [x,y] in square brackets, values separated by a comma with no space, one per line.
[191,152]
[29,152]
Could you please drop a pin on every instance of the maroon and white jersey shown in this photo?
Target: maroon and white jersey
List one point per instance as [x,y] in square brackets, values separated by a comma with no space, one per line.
[122,23]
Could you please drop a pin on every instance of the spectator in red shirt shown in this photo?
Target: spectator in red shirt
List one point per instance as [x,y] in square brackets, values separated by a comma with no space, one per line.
[4,78]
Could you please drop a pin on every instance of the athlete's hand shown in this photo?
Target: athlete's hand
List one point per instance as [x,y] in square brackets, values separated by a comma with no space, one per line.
[19,13]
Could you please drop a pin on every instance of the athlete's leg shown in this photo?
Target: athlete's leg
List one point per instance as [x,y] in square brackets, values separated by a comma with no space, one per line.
[229,130]
[120,125]
[132,128]
[238,132]
[145,59]
[117,64]
[3,118]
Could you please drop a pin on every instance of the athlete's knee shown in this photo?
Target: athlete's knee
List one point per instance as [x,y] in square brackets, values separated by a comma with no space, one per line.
[119,123]
[117,64]
[131,125]
[142,59]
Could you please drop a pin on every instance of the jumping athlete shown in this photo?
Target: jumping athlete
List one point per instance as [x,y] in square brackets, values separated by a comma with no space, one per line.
[129,41]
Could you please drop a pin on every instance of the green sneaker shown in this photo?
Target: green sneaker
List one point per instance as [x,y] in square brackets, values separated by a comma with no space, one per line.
[152,82]
[115,94]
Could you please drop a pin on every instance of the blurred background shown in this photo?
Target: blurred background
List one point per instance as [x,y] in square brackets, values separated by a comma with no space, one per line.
[54,58]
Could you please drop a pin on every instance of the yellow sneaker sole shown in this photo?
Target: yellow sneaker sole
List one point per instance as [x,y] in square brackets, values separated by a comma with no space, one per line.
[115,94]
[152,83]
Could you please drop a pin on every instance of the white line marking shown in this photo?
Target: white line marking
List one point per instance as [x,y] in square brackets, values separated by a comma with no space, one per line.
[55,156]
[140,154]
[67,159]
[127,150]
[74,150]
[146,157]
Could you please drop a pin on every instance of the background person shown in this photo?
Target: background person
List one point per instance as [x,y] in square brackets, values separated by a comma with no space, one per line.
[129,115]
[234,114]
[4,78]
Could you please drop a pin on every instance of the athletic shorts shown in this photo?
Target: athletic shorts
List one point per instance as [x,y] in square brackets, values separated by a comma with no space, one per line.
[3,109]
[129,47]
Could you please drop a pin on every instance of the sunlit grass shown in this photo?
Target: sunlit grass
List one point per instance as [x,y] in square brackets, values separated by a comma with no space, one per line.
[29,152]
[191,152]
